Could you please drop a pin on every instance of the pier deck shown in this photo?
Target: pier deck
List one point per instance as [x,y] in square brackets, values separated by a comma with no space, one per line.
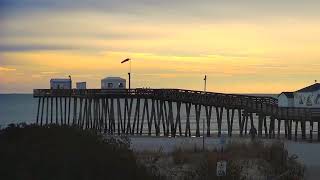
[110,111]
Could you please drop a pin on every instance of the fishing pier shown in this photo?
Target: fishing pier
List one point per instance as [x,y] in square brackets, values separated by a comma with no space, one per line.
[159,112]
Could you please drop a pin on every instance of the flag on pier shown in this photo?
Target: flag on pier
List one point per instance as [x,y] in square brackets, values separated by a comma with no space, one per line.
[125,60]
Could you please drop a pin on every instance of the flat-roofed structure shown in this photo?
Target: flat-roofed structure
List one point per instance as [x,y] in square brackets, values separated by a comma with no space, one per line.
[61,83]
[113,83]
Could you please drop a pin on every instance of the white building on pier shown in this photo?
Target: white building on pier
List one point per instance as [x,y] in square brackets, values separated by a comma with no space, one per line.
[61,83]
[308,97]
[113,83]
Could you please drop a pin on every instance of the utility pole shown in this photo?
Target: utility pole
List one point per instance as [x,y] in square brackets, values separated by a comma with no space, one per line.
[205,88]
[129,73]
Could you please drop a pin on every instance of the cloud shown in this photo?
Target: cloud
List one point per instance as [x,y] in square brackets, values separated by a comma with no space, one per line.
[171,9]
[5,69]
[49,72]
[13,48]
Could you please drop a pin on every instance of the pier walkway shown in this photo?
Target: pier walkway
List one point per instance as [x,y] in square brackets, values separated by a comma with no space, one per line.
[159,111]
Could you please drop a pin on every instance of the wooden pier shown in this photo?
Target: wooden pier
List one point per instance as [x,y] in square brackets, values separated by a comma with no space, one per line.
[129,111]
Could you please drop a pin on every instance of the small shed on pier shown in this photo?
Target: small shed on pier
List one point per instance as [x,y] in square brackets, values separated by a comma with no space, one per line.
[113,83]
[61,83]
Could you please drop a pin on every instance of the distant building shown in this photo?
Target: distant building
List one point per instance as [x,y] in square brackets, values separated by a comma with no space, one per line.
[81,85]
[308,97]
[113,83]
[61,84]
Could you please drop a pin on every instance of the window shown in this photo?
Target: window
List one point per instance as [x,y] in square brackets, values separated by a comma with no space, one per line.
[110,85]
[120,85]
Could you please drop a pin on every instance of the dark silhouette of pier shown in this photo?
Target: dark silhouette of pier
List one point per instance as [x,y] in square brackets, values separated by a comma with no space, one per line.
[110,111]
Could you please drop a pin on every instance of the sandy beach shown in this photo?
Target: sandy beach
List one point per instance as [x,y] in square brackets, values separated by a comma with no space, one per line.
[307,152]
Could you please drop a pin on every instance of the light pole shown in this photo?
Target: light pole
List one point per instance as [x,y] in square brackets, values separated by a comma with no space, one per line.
[129,73]
[205,88]
[70,81]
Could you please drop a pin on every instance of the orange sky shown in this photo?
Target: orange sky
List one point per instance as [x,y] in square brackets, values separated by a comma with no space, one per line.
[268,51]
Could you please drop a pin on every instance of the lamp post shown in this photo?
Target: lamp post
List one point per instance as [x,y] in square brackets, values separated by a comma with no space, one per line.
[205,88]
[70,81]
[129,73]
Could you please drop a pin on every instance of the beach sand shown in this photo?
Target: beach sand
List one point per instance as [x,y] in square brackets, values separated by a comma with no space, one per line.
[308,153]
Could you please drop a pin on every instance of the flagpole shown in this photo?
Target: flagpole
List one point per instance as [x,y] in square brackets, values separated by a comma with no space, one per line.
[205,89]
[129,73]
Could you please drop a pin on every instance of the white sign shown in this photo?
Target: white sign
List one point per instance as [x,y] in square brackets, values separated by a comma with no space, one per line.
[221,168]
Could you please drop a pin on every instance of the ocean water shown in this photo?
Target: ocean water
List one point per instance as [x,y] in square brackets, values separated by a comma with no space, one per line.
[18,108]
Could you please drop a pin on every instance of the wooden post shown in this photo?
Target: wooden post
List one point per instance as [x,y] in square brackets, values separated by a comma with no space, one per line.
[296,130]
[129,116]
[251,121]
[178,118]
[228,121]
[290,130]
[152,117]
[231,123]
[170,118]
[80,112]
[311,130]
[61,111]
[260,122]
[136,117]
[265,126]
[240,122]
[42,111]
[246,124]
[208,115]
[85,109]
[75,108]
[121,127]
[65,111]
[145,111]
[112,120]
[160,116]
[51,108]
[188,131]
[198,111]
[106,113]
[279,128]
[165,118]
[39,101]
[303,129]
[47,110]
[286,128]
[69,110]
[219,113]
[272,127]
[318,130]
[57,111]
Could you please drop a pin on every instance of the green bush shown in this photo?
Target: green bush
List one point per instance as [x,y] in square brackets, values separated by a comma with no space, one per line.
[65,153]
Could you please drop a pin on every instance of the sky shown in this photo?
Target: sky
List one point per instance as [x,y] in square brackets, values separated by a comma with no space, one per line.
[247,46]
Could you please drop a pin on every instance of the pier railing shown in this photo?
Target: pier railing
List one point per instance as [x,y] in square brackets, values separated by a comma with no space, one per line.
[103,109]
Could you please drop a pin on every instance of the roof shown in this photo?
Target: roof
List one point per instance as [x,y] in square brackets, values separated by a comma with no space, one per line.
[114,78]
[312,88]
[288,94]
[61,80]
